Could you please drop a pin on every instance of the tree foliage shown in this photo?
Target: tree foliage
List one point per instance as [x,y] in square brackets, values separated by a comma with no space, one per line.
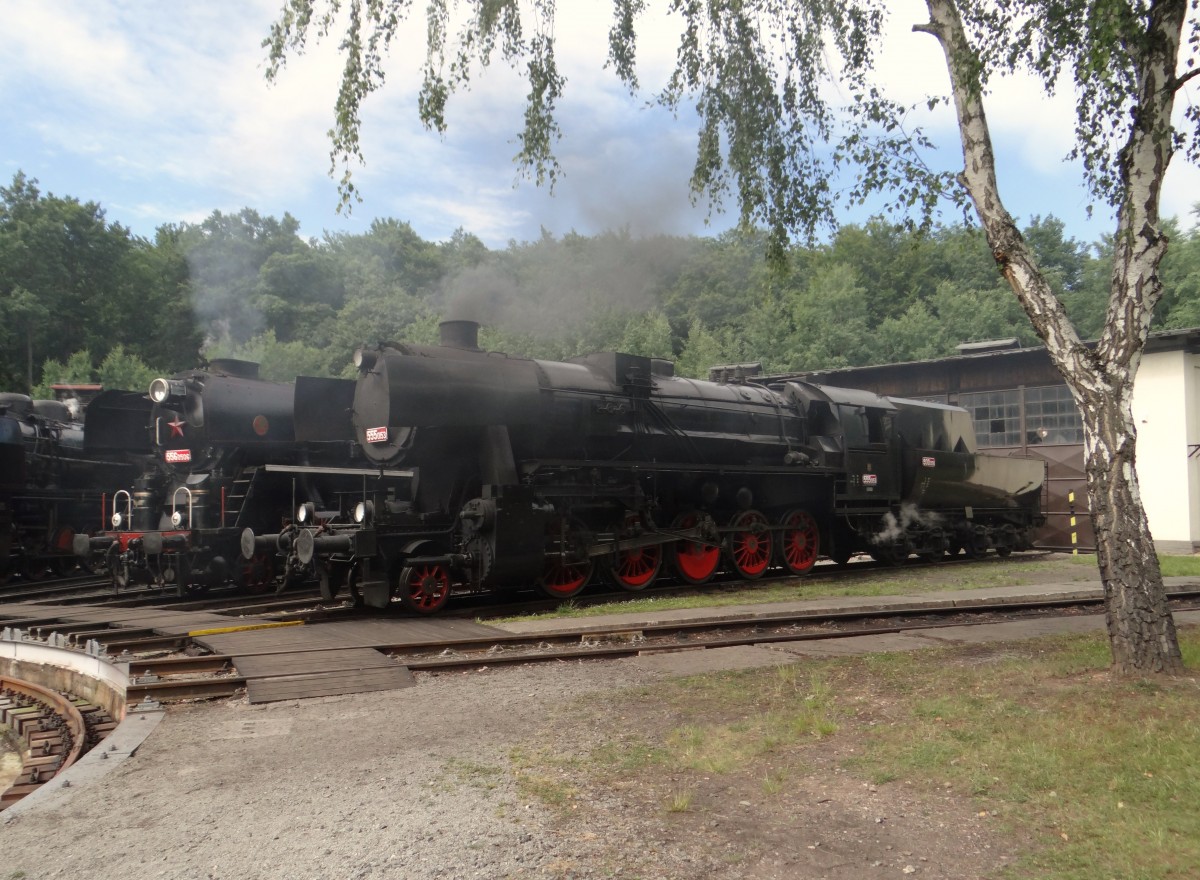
[874,293]
[70,280]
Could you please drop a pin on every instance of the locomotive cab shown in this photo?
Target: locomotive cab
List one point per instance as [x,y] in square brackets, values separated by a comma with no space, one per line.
[911,480]
[855,432]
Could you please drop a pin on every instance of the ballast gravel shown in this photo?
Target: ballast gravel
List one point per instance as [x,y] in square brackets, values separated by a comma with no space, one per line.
[357,786]
[419,783]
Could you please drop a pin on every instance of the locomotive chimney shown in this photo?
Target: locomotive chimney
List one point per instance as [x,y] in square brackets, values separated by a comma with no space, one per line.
[239,369]
[460,334]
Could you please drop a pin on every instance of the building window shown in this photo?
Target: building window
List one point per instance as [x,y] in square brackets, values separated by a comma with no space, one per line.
[1051,416]
[996,416]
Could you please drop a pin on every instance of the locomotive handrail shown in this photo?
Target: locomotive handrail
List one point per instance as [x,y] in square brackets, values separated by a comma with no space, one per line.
[174,496]
[128,505]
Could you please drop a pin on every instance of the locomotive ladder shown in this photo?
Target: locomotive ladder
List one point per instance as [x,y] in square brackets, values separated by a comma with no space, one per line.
[239,492]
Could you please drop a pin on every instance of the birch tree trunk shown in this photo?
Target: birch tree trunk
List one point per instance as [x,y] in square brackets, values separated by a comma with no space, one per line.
[1141,629]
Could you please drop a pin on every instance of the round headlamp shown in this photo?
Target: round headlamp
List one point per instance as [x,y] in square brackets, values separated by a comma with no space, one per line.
[363,511]
[176,518]
[306,512]
[116,520]
[160,390]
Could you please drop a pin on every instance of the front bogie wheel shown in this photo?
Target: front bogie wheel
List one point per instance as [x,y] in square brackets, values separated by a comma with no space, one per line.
[890,552]
[118,571]
[423,589]
[975,543]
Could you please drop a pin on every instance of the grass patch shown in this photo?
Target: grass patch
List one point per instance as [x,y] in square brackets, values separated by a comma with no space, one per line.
[1171,566]
[1104,774]
[763,714]
[482,776]
[1179,566]
[1097,777]
[989,572]
[680,801]
[766,712]
[540,776]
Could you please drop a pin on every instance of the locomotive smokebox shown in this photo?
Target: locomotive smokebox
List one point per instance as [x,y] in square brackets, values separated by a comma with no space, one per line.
[460,334]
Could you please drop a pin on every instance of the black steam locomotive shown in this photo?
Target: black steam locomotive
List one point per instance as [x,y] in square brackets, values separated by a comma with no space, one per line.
[52,481]
[224,459]
[511,472]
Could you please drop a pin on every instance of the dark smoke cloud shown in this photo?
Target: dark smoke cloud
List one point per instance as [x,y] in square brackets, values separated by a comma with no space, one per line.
[553,286]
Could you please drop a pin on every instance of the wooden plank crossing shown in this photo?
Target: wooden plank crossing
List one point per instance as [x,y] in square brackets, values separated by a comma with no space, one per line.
[409,631]
[324,659]
[328,684]
[305,662]
[270,641]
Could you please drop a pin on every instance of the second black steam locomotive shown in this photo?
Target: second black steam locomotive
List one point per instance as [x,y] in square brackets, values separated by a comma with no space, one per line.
[511,471]
[222,458]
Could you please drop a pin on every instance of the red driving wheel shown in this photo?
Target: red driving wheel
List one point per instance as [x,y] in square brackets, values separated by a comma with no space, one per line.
[750,544]
[800,542]
[695,562]
[637,568]
[563,577]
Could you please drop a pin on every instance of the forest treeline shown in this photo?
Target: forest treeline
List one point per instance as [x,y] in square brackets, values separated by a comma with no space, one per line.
[83,299]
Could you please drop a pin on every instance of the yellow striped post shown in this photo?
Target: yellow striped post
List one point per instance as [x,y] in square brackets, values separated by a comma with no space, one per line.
[1074,534]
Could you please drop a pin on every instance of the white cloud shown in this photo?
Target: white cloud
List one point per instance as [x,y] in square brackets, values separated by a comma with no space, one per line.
[173,90]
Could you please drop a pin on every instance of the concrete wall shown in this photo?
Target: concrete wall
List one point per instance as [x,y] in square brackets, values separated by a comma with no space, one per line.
[95,679]
[1166,409]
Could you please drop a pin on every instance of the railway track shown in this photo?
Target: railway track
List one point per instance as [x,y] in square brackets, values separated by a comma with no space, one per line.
[56,589]
[90,590]
[166,678]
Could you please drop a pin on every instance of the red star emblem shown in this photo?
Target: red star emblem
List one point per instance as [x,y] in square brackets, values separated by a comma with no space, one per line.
[176,427]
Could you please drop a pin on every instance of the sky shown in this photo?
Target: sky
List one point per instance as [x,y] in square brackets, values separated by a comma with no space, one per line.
[161,113]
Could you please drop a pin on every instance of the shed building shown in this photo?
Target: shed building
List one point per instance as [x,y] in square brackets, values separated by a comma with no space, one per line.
[1021,406]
